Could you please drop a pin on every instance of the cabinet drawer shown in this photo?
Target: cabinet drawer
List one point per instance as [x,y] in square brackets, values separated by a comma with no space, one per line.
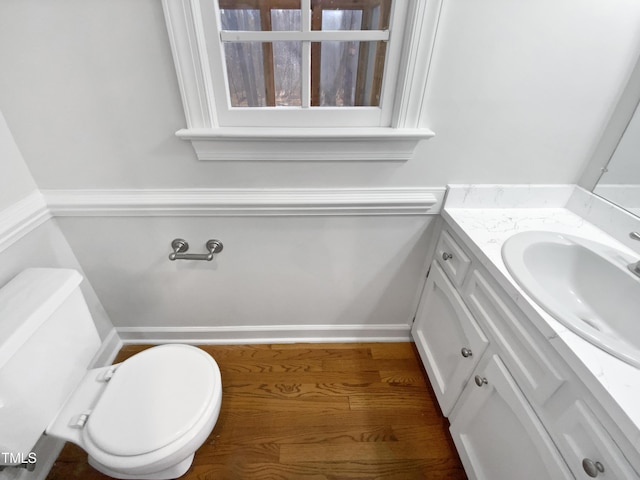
[520,350]
[452,258]
[582,438]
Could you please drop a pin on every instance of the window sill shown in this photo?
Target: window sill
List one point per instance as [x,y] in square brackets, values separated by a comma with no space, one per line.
[304,144]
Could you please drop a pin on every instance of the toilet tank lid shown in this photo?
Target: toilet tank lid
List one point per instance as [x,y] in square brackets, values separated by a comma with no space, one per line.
[28,300]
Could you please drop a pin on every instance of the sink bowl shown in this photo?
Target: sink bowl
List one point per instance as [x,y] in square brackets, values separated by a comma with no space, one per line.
[584,285]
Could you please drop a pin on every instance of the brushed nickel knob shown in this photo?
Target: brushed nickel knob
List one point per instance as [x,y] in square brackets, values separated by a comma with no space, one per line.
[592,468]
[466,352]
[480,381]
[446,256]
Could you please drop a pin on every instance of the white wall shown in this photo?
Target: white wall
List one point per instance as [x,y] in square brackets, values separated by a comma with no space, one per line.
[44,246]
[519,92]
[16,181]
[277,277]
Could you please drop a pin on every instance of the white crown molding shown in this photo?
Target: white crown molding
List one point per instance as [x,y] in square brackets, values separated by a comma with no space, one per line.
[22,217]
[305,144]
[245,202]
[266,334]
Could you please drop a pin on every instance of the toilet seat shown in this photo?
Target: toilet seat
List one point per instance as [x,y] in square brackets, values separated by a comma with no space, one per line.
[152,400]
[135,410]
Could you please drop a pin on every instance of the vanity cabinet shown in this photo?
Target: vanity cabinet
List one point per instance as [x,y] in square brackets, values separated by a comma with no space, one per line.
[516,409]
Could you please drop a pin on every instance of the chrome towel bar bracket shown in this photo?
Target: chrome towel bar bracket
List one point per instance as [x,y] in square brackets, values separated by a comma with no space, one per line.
[180,247]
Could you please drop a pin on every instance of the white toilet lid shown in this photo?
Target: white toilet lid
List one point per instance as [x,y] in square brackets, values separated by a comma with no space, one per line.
[153,399]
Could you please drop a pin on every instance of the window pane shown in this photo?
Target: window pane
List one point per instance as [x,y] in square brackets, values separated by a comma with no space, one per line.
[285,20]
[240,19]
[350,73]
[341,20]
[351,14]
[247,63]
[245,72]
[287,61]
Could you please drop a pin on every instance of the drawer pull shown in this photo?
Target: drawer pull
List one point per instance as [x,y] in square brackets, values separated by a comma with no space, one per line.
[447,256]
[466,353]
[480,381]
[592,468]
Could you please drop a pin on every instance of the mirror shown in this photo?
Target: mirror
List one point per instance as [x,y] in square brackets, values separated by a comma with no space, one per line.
[620,179]
[614,170]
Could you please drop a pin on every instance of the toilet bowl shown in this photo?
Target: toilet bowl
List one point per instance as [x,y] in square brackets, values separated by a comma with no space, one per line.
[143,418]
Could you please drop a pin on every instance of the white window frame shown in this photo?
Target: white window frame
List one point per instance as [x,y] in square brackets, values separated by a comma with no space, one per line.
[221,132]
[306,116]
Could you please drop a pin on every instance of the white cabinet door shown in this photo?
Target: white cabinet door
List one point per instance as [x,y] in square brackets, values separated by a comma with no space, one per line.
[587,447]
[448,338]
[497,433]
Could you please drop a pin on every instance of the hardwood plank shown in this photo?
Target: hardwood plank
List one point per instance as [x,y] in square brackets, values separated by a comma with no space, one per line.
[337,434]
[357,452]
[393,351]
[408,399]
[368,365]
[253,367]
[403,378]
[307,390]
[242,403]
[303,353]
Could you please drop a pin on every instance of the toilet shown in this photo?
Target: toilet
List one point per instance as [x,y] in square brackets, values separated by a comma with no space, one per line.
[143,418]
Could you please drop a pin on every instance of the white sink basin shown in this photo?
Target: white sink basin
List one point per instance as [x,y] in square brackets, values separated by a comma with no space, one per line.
[584,285]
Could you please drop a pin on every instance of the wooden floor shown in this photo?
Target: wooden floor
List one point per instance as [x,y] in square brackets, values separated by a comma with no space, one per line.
[315,412]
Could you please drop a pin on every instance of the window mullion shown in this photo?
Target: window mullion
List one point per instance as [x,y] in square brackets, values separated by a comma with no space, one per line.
[267,58]
[316,55]
[306,74]
[309,36]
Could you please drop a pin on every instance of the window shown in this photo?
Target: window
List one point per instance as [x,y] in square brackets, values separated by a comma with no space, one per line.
[346,69]
[299,70]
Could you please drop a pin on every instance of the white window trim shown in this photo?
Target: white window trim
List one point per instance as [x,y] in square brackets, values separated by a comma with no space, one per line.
[212,140]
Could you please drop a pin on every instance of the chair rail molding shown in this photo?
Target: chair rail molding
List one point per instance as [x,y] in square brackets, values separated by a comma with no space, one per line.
[22,217]
[245,202]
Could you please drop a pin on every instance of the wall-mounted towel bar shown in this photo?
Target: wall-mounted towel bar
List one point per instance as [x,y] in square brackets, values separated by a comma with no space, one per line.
[180,247]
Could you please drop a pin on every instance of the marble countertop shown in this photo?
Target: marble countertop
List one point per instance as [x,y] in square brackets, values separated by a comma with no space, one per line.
[485,218]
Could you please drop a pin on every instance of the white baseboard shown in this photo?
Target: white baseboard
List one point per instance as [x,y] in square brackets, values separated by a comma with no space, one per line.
[110,347]
[266,334]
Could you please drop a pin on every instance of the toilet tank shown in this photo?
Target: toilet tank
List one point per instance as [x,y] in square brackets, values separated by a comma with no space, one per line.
[47,341]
